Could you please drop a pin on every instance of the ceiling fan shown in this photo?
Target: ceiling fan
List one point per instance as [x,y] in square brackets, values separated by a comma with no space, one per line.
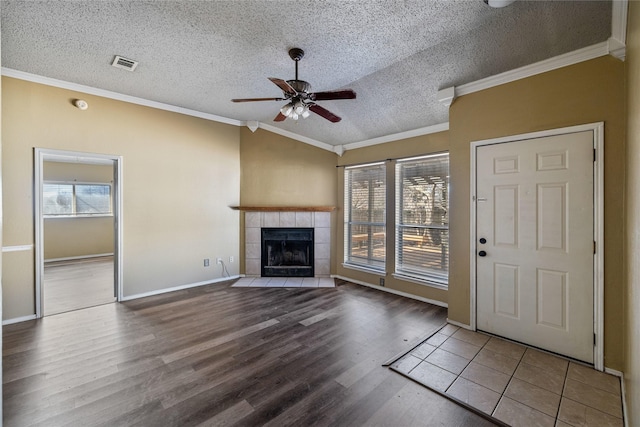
[301,99]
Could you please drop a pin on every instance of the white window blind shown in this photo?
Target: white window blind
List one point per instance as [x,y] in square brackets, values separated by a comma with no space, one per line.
[365,216]
[422,218]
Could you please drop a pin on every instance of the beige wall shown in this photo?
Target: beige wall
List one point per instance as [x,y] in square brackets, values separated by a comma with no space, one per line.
[83,236]
[588,92]
[278,171]
[411,147]
[632,232]
[77,237]
[180,175]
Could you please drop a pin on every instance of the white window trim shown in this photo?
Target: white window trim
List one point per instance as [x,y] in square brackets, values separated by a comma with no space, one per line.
[347,263]
[420,280]
[359,267]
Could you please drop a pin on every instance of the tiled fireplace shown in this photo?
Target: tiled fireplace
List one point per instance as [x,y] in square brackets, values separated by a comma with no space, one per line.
[320,222]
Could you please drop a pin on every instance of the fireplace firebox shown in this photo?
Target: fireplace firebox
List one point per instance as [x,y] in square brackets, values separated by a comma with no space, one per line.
[287,252]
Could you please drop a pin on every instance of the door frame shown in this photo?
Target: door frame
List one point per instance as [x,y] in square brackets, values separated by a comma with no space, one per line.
[40,156]
[598,223]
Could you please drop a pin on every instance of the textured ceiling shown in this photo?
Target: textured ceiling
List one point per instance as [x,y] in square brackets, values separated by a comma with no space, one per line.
[199,55]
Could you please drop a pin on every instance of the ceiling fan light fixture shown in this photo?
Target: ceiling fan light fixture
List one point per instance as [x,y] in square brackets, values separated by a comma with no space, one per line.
[305,113]
[300,107]
[287,109]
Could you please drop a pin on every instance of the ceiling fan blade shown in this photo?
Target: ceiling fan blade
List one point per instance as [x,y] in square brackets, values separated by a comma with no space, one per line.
[286,87]
[280,118]
[257,99]
[333,94]
[324,113]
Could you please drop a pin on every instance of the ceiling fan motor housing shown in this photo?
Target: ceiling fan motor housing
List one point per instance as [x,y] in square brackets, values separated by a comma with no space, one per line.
[300,86]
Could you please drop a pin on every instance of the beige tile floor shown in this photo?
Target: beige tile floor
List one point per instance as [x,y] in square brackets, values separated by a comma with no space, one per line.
[517,385]
[284,282]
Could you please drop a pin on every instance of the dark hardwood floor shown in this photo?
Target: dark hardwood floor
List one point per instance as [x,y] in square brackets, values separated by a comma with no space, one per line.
[218,356]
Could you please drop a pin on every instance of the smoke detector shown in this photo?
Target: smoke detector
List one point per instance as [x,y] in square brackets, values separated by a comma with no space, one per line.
[124,63]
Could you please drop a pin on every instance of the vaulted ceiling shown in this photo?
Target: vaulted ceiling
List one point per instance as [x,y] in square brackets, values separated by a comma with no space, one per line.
[198,55]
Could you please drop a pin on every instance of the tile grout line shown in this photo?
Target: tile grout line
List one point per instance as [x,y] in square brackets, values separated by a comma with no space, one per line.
[508,382]
[564,385]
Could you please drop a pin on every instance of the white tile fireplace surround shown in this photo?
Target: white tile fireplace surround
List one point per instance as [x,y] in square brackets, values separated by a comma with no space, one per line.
[319,221]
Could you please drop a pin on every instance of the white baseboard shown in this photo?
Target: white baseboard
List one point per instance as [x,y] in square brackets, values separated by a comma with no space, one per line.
[73,258]
[461,325]
[392,291]
[18,319]
[132,297]
[622,391]
[178,288]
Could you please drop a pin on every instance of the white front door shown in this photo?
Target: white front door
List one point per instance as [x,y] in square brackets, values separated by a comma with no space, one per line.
[535,244]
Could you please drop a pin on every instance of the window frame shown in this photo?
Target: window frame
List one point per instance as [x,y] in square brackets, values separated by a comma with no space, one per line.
[74,213]
[420,276]
[370,264]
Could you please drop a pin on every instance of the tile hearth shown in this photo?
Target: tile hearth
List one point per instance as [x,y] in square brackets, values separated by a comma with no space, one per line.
[285,282]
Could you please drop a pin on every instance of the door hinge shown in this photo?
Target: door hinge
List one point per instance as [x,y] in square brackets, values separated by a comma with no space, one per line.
[594,155]
[594,339]
[594,246]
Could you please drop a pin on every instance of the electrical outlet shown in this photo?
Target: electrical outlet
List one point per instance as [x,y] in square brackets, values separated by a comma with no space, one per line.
[381,281]
[231,259]
[206,262]
[218,260]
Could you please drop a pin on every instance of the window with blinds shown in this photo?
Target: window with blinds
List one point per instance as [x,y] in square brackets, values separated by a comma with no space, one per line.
[62,199]
[365,216]
[422,218]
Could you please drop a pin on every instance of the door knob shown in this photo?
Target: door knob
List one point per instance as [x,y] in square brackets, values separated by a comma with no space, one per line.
[482,253]
[483,240]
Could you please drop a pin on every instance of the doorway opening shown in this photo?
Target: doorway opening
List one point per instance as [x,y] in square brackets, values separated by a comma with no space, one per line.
[78,230]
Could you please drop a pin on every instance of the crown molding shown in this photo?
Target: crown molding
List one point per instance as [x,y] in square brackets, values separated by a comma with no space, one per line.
[617,41]
[253,125]
[446,96]
[297,137]
[564,60]
[441,127]
[9,72]
[619,11]
[35,78]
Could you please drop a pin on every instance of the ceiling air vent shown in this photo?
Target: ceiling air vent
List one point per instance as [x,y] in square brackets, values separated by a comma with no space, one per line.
[124,63]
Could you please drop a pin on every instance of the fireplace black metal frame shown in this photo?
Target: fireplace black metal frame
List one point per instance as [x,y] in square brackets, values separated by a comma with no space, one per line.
[301,245]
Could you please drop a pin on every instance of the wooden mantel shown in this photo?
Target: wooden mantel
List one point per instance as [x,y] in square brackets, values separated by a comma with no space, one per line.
[284,208]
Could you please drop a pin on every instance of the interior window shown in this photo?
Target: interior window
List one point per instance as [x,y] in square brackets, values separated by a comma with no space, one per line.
[63,199]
